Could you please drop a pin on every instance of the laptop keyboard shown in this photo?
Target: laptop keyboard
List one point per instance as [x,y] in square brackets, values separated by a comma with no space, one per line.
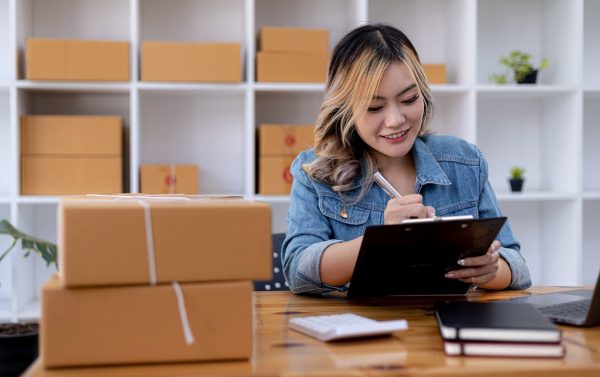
[574,309]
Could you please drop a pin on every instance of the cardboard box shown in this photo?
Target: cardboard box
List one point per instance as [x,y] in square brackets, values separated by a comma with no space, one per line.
[69,59]
[142,324]
[284,139]
[275,177]
[207,62]
[435,73]
[281,39]
[169,179]
[55,175]
[194,238]
[292,67]
[71,135]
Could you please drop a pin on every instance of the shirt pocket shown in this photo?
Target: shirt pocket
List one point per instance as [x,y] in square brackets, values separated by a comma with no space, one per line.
[347,221]
[459,209]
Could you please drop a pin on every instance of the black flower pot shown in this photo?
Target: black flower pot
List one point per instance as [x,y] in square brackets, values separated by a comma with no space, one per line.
[530,78]
[516,185]
[18,348]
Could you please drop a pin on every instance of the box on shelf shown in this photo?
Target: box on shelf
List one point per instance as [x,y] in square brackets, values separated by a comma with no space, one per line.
[66,155]
[274,173]
[70,59]
[169,179]
[42,175]
[279,39]
[435,73]
[284,139]
[308,67]
[195,238]
[179,61]
[142,324]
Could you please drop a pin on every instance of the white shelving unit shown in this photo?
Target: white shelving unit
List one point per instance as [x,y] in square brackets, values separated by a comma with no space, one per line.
[552,129]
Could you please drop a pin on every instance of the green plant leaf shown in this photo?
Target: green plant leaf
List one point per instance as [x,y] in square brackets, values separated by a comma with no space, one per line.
[46,250]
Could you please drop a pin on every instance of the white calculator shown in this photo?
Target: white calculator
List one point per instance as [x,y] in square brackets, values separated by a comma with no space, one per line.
[346,325]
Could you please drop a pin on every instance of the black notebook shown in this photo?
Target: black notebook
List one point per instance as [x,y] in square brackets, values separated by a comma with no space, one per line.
[412,258]
[494,322]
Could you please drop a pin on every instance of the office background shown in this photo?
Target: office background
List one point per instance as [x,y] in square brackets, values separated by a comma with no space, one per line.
[552,128]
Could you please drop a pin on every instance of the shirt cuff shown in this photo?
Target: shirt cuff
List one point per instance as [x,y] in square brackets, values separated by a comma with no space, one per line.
[310,264]
[520,278]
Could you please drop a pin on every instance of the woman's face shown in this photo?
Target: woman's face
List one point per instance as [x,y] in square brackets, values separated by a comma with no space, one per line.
[393,119]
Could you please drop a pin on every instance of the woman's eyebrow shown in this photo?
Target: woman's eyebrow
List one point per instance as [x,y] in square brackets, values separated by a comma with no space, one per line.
[412,86]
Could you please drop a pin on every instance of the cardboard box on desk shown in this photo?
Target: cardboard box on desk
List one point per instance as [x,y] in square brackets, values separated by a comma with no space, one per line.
[310,67]
[69,59]
[142,324]
[103,240]
[169,179]
[275,177]
[278,39]
[284,139]
[205,62]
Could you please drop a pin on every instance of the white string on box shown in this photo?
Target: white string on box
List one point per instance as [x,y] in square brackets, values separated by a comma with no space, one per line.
[187,330]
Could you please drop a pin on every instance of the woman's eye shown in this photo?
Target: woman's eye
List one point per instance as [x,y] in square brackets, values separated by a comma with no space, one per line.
[374,109]
[412,99]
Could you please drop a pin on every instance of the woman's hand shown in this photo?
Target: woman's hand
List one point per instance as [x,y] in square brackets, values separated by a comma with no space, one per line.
[406,207]
[486,271]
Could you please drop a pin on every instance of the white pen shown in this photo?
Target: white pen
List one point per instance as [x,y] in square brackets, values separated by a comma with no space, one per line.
[385,185]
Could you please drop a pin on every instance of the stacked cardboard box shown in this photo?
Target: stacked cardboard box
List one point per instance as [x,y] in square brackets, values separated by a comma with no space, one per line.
[69,59]
[200,62]
[169,179]
[278,145]
[115,300]
[435,73]
[71,155]
[292,55]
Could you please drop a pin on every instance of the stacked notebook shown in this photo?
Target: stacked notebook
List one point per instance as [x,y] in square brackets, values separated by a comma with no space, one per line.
[497,329]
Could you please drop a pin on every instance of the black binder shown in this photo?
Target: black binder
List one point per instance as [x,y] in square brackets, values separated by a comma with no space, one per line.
[412,258]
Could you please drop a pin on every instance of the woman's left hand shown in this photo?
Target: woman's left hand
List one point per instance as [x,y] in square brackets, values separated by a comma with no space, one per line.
[478,270]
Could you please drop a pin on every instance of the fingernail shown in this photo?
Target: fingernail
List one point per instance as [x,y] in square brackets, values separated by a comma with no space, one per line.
[461,262]
[449,275]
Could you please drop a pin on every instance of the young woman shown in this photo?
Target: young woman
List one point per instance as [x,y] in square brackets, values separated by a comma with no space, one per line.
[375,117]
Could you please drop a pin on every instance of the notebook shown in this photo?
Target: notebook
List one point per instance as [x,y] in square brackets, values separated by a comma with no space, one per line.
[578,307]
[412,258]
[494,322]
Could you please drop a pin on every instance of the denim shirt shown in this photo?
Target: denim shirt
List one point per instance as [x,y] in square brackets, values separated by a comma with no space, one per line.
[452,177]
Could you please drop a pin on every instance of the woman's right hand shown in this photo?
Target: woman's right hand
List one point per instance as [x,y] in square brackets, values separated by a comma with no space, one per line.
[406,207]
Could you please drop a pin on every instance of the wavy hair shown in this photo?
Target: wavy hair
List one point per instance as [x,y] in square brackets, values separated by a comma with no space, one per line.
[356,68]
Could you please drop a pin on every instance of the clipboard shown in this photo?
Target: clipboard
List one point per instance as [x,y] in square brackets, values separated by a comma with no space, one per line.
[412,258]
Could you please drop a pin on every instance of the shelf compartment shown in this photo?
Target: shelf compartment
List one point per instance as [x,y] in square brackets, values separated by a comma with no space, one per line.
[96,20]
[196,128]
[31,272]
[533,196]
[69,86]
[7,162]
[175,88]
[543,28]
[591,140]
[288,87]
[548,232]
[453,114]
[539,134]
[591,43]
[337,16]
[448,37]
[5,267]
[591,241]
[5,45]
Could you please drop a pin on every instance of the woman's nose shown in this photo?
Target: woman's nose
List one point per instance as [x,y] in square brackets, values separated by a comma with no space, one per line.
[394,116]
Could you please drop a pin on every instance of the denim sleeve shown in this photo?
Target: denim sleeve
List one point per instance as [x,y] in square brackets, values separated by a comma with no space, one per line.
[308,235]
[511,248]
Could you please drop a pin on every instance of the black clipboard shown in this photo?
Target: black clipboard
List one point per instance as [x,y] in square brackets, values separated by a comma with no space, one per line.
[412,258]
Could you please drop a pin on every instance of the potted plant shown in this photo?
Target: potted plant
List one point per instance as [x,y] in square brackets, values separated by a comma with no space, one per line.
[521,66]
[516,178]
[19,340]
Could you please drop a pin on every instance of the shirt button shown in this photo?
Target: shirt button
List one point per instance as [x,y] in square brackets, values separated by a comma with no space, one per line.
[344,213]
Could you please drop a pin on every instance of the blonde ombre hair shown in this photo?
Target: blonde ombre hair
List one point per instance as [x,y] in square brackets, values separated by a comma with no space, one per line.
[357,65]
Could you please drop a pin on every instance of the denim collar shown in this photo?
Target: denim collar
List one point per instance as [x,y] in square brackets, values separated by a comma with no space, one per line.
[428,169]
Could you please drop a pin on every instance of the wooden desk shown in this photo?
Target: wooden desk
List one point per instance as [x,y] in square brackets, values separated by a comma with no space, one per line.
[416,352]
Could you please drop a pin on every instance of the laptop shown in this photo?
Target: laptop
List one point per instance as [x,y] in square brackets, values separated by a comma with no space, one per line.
[578,307]
[412,258]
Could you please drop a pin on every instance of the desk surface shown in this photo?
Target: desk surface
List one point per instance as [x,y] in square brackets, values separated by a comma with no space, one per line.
[416,352]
